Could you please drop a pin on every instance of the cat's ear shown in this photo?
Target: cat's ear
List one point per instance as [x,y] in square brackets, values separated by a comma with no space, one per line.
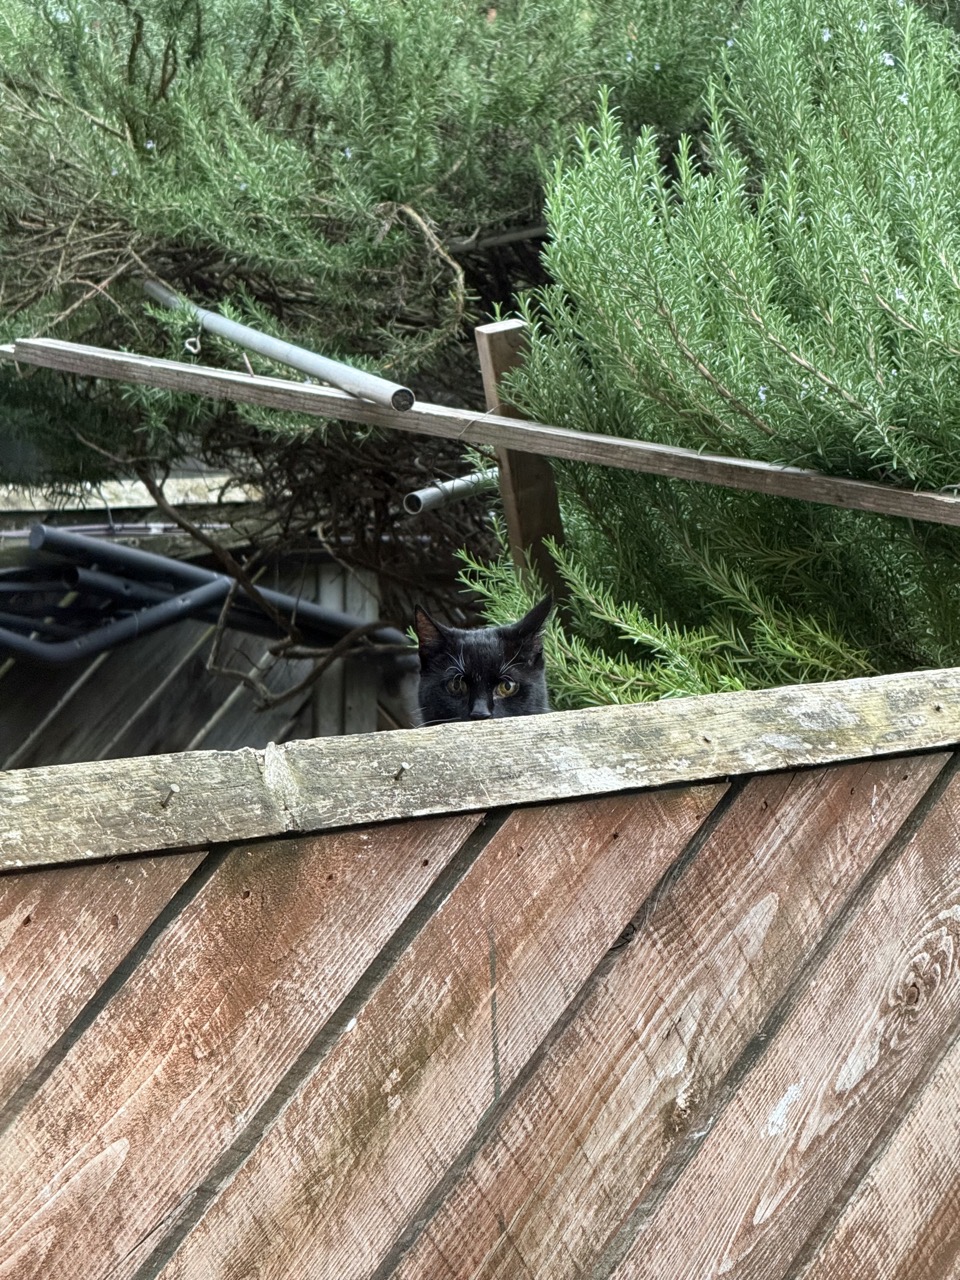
[430,634]
[529,629]
[532,623]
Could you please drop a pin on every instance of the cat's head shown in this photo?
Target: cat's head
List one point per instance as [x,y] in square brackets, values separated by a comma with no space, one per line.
[484,673]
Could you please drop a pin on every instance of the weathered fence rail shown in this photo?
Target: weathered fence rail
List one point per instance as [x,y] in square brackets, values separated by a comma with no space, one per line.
[496,430]
[698,1029]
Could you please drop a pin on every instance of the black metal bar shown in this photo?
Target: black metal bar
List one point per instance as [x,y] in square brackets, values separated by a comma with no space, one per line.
[125,590]
[45,625]
[137,594]
[114,633]
[131,562]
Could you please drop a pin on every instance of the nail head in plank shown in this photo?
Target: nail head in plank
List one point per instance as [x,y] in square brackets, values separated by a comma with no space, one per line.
[82,811]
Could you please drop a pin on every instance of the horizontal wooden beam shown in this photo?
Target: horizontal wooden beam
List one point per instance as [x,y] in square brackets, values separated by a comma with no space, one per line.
[491,429]
[76,812]
[209,488]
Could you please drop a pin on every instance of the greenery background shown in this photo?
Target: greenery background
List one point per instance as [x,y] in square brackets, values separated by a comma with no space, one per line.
[753,248]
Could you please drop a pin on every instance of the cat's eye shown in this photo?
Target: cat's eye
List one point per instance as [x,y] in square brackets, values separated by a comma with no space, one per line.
[456,685]
[506,688]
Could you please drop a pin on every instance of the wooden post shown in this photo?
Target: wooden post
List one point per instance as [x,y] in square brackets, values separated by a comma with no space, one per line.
[527,486]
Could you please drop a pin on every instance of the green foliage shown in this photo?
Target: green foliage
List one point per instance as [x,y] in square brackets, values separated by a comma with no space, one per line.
[307,160]
[787,289]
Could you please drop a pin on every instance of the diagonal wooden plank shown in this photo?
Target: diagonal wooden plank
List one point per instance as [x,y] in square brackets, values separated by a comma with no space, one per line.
[881,1005]
[181,1060]
[61,933]
[75,812]
[356,1151]
[633,1073]
[489,429]
[903,1222]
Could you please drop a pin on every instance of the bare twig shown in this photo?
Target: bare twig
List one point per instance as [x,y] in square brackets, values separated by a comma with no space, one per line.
[229,563]
[345,647]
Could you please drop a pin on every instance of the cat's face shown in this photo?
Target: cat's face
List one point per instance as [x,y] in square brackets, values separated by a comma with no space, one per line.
[482,674]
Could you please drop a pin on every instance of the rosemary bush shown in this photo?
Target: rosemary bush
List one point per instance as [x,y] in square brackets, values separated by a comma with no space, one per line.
[788,288]
[323,169]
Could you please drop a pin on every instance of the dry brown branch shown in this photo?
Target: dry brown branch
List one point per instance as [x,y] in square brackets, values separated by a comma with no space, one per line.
[229,563]
[347,646]
[92,292]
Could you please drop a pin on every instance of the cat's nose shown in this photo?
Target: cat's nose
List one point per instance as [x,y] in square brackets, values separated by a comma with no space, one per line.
[481,710]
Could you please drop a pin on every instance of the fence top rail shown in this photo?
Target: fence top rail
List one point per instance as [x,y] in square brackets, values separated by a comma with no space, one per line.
[490,429]
[83,812]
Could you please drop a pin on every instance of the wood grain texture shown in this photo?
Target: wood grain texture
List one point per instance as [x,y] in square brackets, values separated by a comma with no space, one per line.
[179,1062]
[903,1222]
[491,429]
[73,812]
[207,488]
[528,490]
[62,932]
[881,1006]
[354,1154]
[635,1071]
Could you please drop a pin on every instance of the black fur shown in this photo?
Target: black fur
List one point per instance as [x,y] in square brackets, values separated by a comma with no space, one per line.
[485,673]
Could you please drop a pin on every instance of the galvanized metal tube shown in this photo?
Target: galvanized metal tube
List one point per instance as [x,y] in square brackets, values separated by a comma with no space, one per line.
[357,382]
[441,492]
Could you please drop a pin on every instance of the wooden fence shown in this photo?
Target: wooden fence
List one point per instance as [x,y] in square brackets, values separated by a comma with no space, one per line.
[655,991]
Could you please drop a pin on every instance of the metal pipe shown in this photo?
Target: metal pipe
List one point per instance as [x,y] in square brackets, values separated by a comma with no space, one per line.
[131,562]
[357,382]
[21,622]
[441,492]
[108,637]
[136,594]
[93,582]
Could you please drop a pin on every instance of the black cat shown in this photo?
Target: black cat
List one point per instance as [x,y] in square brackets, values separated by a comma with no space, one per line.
[485,673]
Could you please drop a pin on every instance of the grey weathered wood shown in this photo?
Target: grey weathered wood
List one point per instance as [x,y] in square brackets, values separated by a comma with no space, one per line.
[204,489]
[327,720]
[360,677]
[528,490]
[496,430]
[82,811]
